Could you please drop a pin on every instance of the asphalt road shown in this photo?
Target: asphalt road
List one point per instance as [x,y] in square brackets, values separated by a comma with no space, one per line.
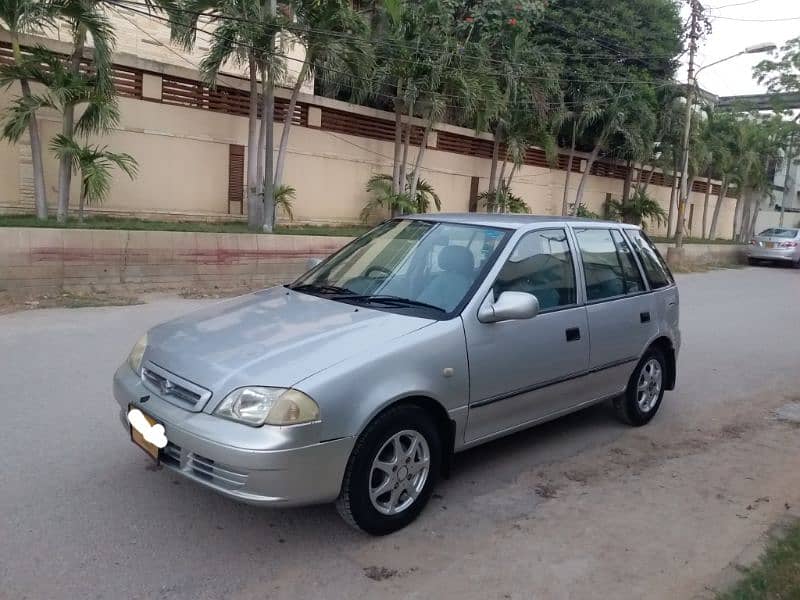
[84,515]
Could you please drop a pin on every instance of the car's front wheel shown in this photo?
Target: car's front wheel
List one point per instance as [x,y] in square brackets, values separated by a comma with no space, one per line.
[392,471]
[645,390]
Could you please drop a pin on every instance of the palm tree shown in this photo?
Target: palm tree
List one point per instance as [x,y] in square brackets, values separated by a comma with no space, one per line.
[94,164]
[627,118]
[718,134]
[21,16]
[639,208]
[284,196]
[331,33]
[85,19]
[757,145]
[502,200]
[385,198]
[67,90]
[244,34]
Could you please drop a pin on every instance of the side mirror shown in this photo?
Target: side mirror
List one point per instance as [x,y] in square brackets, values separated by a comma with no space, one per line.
[510,306]
[312,262]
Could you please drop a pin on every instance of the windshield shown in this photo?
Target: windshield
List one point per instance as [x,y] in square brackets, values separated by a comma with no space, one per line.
[779,233]
[407,264]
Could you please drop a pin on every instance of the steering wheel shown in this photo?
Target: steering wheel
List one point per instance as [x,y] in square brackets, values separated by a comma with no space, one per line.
[386,272]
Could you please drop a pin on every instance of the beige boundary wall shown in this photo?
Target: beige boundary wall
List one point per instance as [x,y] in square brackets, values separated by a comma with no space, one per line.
[183,163]
[36,261]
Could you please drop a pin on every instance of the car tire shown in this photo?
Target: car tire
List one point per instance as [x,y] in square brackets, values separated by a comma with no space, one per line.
[383,459]
[645,390]
[752,262]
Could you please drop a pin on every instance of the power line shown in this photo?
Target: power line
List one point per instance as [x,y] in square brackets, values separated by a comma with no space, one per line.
[731,5]
[778,20]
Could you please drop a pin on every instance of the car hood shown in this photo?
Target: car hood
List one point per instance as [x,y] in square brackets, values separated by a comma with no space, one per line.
[275,337]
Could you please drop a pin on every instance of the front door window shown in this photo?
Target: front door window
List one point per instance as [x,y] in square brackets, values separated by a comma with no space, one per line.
[540,264]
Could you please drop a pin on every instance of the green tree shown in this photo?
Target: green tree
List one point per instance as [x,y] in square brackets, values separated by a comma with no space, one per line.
[93,164]
[608,81]
[332,35]
[756,144]
[720,135]
[781,74]
[65,91]
[640,209]
[19,16]
[86,21]
[426,63]
[502,200]
[244,33]
[522,84]
[384,198]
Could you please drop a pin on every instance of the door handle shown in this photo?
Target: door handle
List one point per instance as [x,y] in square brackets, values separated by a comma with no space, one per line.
[573,334]
[644,317]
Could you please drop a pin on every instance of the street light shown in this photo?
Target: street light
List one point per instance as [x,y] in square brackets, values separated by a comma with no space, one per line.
[757,49]
[687,128]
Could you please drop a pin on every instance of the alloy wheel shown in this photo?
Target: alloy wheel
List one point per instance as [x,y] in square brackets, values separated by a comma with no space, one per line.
[399,472]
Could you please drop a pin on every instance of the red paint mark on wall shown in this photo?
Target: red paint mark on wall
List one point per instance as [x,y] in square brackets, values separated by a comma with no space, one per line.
[214,256]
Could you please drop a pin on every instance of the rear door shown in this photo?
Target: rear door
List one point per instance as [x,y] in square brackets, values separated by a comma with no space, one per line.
[619,307]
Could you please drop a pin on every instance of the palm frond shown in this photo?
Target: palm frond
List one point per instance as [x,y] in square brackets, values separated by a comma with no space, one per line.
[100,116]
[284,195]
[18,113]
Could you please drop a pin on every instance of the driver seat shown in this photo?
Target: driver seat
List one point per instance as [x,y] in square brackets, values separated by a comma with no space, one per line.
[448,287]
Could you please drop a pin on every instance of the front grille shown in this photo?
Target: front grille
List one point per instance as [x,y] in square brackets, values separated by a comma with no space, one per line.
[203,468]
[173,388]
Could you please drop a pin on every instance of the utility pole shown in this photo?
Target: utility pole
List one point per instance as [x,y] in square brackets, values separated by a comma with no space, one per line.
[789,183]
[695,28]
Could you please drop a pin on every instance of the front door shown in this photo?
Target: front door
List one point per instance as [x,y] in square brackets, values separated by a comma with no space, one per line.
[523,371]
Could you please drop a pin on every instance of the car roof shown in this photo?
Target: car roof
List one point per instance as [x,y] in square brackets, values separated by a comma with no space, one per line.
[507,220]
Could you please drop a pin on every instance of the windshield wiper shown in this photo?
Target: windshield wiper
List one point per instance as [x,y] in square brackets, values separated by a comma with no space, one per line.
[388,300]
[321,289]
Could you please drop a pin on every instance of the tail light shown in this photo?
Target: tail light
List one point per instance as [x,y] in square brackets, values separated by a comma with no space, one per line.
[753,242]
[788,244]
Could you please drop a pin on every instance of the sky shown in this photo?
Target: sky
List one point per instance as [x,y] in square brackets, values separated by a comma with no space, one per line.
[730,35]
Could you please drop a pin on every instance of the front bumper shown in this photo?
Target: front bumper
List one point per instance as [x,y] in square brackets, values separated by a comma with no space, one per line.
[265,465]
[757,252]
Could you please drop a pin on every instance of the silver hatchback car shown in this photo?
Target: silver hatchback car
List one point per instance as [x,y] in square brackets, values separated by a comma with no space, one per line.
[776,244]
[426,336]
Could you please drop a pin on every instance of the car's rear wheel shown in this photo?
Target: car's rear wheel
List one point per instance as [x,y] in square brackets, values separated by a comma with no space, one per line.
[392,471]
[752,261]
[645,390]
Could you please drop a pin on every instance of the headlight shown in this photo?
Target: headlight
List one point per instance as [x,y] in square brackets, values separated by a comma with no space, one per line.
[135,357]
[258,406]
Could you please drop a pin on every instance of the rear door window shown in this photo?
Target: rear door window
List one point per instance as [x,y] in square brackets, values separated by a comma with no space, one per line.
[608,264]
[655,269]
